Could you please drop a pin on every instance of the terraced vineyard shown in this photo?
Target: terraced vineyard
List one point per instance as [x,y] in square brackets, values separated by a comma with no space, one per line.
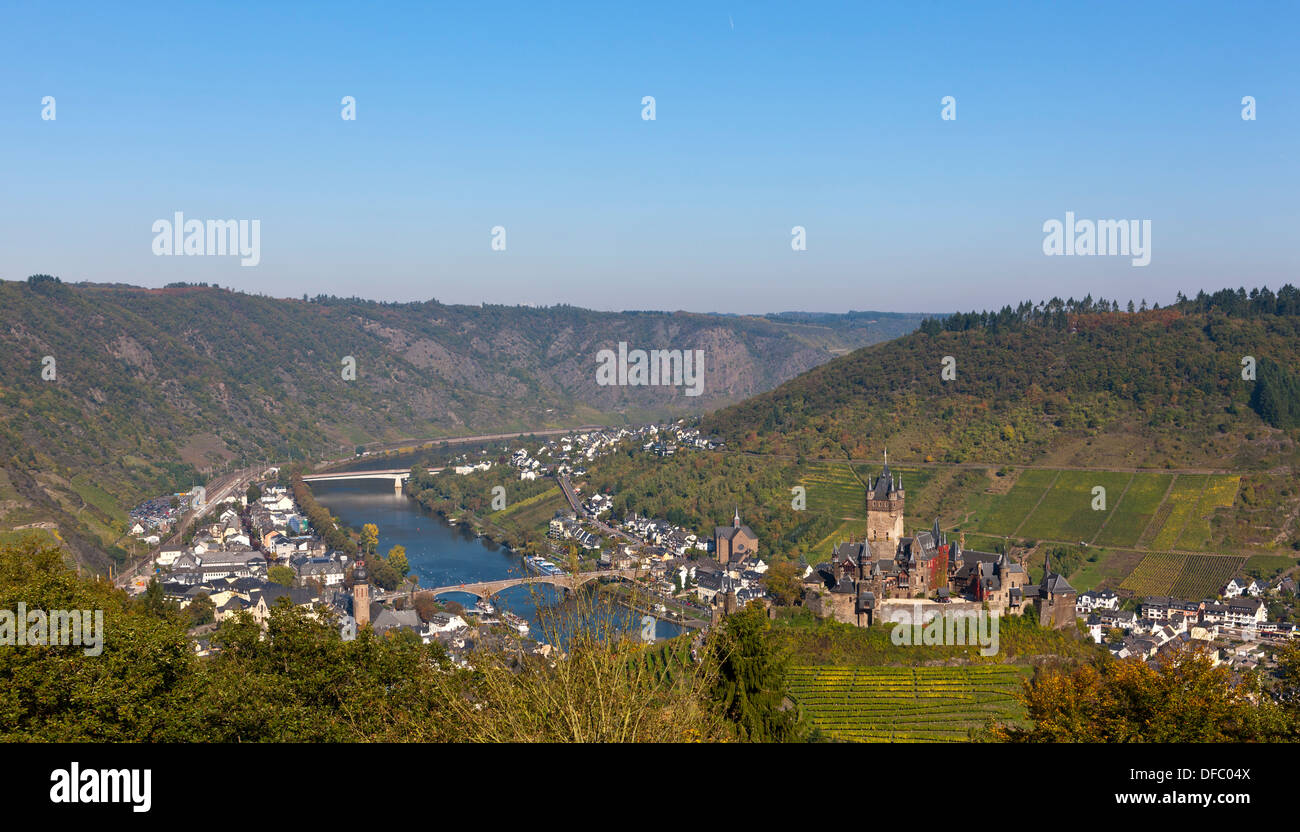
[1155,574]
[907,704]
[1183,576]
[1204,576]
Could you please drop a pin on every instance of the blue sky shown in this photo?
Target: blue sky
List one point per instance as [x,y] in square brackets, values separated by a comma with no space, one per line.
[768,116]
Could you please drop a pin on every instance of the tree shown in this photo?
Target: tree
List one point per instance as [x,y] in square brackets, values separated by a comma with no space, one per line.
[1276,397]
[783,582]
[202,610]
[282,575]
[397,559]
[751,682]
[382,574]
[1185,699]
[369,537]
[425,605]
[253,493]
[153,600]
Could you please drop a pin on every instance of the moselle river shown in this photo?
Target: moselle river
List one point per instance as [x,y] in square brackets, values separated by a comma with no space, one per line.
[441,554]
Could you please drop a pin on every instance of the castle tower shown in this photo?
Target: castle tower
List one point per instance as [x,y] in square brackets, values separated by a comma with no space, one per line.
[885,507]
[361,595]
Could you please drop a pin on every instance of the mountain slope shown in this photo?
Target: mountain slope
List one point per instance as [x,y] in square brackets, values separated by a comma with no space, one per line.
[1058,383]
[150,386]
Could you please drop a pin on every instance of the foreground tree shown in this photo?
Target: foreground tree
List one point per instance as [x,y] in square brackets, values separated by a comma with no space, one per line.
[751,679]
[1184,699]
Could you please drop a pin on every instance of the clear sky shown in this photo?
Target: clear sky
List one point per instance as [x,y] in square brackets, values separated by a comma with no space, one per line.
[768,116]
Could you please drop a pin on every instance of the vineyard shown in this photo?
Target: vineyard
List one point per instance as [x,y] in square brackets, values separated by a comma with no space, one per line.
[1191,577]
[834,489]
[1066,511]
[1204,576]
[1134,512]
[907,704]
[1220,492]
[1185,496]
[1155,574]
[1007,511]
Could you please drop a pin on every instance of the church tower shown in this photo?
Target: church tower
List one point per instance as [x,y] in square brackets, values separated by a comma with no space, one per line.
[885,507]
[361,595]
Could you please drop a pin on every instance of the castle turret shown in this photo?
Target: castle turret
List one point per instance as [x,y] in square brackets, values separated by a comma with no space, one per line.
[885,506]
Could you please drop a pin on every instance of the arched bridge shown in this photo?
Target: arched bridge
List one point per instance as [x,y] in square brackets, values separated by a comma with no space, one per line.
[486,589]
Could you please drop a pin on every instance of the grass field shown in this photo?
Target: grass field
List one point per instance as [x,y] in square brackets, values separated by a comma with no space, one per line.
[906,704]
[1007,511]
[1066,512]
[1135,510]
[533,512]
[1267,566]
[1184,497]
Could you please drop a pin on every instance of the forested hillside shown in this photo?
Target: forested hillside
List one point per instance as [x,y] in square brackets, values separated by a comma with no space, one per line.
[1061,382]
[109,394]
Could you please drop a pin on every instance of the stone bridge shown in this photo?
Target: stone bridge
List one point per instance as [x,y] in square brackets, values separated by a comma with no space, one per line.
[486,589]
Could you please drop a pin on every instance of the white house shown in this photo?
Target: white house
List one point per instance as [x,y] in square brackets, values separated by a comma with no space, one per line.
[167,557]
[1091,600]
[443,622]
[1238,587]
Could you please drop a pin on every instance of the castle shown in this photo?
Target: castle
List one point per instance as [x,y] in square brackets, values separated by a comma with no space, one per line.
[887,565]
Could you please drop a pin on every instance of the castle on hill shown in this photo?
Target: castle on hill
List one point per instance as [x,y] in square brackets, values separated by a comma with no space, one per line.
[888,565]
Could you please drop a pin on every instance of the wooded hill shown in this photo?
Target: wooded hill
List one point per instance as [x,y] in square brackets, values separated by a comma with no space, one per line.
[148,388]
[1061,382]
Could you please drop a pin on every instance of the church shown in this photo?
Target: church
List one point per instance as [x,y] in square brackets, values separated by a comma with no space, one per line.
[887,564]
[735,542]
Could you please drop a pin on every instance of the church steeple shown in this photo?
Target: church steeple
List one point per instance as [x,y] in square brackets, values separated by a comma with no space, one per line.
[735,519]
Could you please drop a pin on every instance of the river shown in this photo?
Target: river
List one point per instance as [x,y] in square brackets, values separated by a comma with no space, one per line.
[441,554]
